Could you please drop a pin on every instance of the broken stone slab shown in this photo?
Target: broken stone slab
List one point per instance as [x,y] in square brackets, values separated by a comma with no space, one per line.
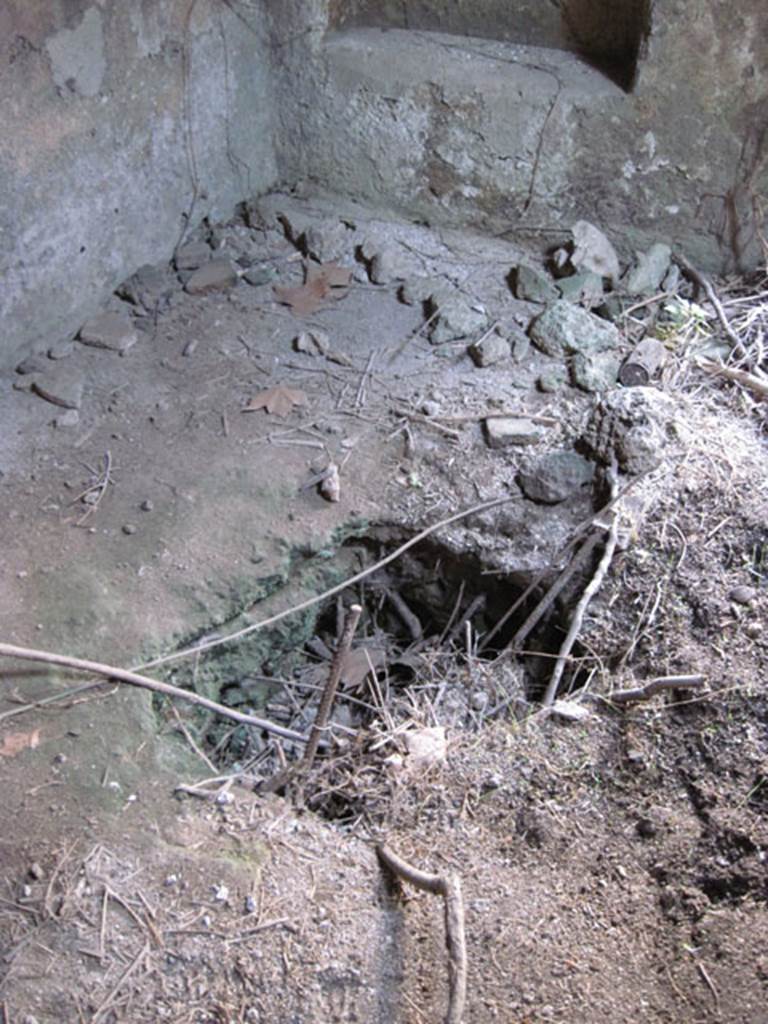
[533,286]
[646,277]
[109,330]
[593,252]
[503,431]
[456,319]
[215,276]
[564,329]
[584,288]
[595,371]
[61,386]
[489,350]
[192,255]
[636,425]
[556,476]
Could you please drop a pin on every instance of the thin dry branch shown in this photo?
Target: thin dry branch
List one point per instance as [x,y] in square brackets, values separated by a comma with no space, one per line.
[698,278]
[318,598]
[133,679]
[693,682]
[589,592]
[449,887]
[748,380]
[326,701]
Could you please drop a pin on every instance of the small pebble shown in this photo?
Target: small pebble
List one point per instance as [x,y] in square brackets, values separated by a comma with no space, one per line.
[430,408]
[129,528]
[221,893]
[190,347]
[754,630]
[250,904]
[743,594]
[147,505]
[35,871]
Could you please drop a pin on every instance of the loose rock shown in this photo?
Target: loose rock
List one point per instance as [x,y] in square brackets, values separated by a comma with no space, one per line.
[595,371]
[636,425]
[61,350]
[150,288]
[192,255]
[109,330]
[564,329]
[586,289]
[553,380]
[70,418]
[556,476]
[651,268]
[533,286]
[385,266]
[742,594]
[326,241]
[593,252]
[456,319]
[490,350]
[503,431]
[215,276]
[262,273]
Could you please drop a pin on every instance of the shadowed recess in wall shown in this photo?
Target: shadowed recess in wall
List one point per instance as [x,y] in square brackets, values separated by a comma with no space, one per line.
[608,34]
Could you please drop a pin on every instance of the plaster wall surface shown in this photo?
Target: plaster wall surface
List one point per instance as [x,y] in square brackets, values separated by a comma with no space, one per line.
[510,136]
[121,123]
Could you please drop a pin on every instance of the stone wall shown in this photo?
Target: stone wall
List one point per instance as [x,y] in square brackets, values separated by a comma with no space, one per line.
[512,137]
[121,121]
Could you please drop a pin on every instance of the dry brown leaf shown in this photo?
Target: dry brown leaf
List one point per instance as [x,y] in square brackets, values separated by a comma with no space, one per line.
[304,298]
[334,275]
[279,401]
[15,742]
[321,281]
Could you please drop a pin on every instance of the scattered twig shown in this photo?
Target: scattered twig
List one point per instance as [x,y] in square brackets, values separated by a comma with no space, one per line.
[318,598]
[548,599]
[428,421]
[54,698]
[710,985]
[589,592]
[749,380]
[409,619]
[698,278]
[99,489]
[107,1003]
[191,740]
[326,701]
[132,679]
[693,682]
[449,887]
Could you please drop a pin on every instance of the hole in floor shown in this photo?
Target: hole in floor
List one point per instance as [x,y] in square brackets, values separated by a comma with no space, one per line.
[430,653]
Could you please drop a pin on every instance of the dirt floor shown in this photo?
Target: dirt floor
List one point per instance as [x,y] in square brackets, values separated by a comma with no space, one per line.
[613,855]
